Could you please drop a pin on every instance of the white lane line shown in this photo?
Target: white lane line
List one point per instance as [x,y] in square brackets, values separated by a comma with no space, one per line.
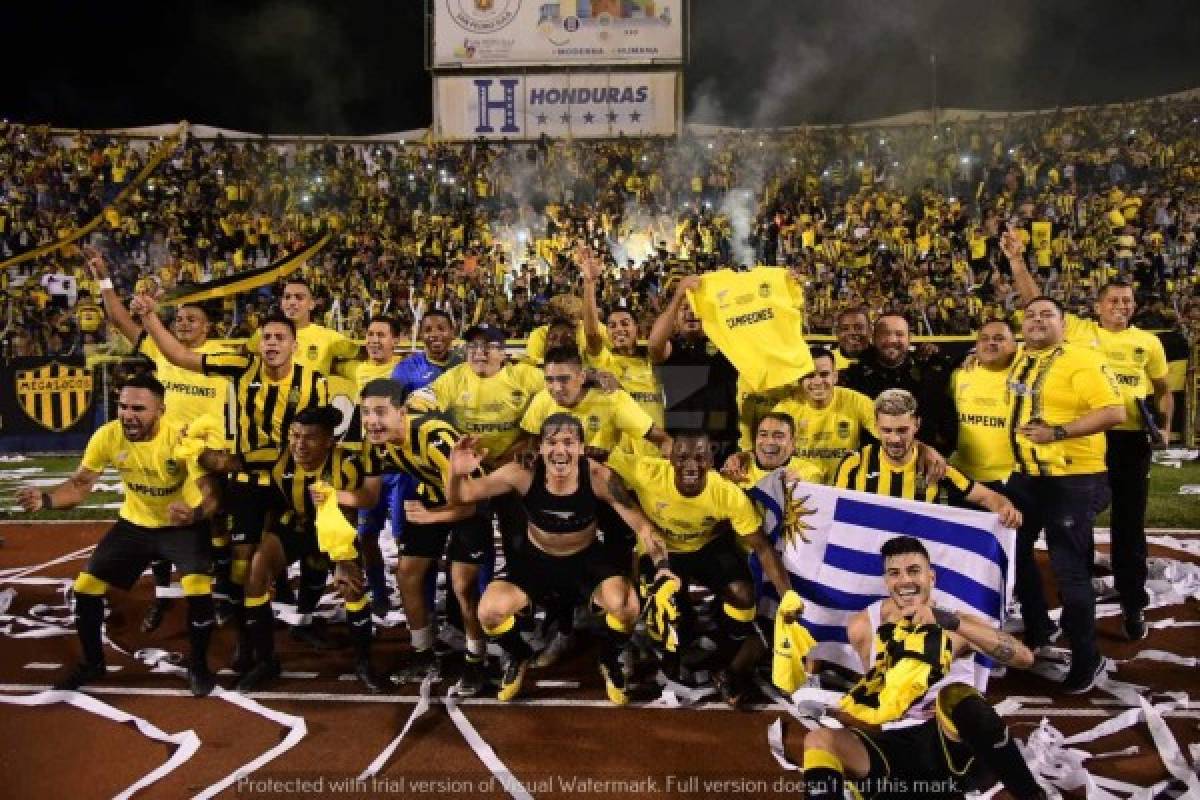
[545,702]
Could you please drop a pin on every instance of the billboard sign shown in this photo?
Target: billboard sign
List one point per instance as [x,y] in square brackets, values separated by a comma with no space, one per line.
[580,105]
[487,33]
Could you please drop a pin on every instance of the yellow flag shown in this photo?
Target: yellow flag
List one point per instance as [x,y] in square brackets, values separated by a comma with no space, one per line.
[1040,235]
[755,319]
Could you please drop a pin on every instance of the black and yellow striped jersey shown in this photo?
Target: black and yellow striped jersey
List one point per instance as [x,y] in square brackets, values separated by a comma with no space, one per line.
[424,454]
[265,408]
[343,469]
[866,470]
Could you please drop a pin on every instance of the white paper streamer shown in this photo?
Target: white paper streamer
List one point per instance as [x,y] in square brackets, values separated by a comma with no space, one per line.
[1168,750]
[483,751]
[418,711]
[296,726]
[775,742]
[186,743]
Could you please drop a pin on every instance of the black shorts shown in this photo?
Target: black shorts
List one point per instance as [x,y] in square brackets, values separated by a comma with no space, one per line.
[619,538]
[912,762]
[540,575]
[300,544]
[127,549]
[470,540]
[715,565]
[249,497]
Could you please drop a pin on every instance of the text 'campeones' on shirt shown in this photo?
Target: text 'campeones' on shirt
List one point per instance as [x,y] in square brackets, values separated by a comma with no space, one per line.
[687,523]
[151,474]
[189,394]
[1136,358]
[982,407]
[490,408]
[825,436]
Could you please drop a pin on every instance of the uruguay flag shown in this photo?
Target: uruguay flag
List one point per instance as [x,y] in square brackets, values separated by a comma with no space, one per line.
[838,570]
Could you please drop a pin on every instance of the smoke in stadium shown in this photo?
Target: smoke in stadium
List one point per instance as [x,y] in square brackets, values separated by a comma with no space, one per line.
[485,398]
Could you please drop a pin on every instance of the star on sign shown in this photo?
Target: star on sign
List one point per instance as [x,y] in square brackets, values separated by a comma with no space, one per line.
[541,119]
[565,118]
[635,116]
[612,116]
[589,118]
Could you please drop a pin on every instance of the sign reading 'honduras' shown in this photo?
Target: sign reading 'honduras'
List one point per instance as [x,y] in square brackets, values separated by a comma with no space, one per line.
[831,542]
[578,105]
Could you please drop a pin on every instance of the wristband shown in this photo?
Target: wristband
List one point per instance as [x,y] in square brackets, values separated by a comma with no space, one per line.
[47,505]
[662,563]
[946,620]
[105,283]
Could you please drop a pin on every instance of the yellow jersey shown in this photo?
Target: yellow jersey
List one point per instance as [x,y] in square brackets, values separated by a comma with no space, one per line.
[535,344]
[606,417]
[317,347]
[807,470]
[867,470]
[1136,358]
[825,436]
[753,405]
[1059,385]
[367,371]
[687,523]
[153,478]
[491,408]
[265,407]
[189,394]
[637,377]
[983,407]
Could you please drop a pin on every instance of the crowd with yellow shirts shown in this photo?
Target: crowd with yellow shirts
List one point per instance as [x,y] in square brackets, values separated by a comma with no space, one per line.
[903,219]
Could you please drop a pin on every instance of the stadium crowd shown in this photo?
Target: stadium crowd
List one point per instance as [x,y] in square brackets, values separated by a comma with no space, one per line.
[900,218]
[613,475]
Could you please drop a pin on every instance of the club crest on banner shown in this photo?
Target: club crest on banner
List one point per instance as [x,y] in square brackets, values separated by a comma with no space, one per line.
[54,395]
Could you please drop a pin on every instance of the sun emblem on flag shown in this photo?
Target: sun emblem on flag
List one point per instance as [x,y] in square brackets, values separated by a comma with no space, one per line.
[795,514]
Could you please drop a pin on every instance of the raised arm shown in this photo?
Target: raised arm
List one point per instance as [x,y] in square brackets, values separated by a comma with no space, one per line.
[116,310]
[1014,251]
[659,341]
[145,307]
[465,486]
[589,266]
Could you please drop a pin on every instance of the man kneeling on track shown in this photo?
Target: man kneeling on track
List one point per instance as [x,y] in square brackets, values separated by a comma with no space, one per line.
[313,479]
[921,670]
[702,517]
[164,516]
[559,552]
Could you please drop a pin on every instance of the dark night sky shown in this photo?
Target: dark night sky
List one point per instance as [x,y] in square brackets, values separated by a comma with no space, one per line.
[357,66]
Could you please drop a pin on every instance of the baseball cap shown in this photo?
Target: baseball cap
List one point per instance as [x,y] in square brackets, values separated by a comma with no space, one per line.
[487,332]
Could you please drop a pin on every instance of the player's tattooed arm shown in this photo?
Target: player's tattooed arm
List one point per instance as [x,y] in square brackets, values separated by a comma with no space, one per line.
[612,490]
[985,638]
[619,493]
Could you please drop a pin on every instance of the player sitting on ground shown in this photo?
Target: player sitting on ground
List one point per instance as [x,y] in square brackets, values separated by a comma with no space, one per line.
[954,732]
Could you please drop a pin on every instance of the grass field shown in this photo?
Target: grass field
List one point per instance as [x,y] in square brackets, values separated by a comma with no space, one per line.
[1168,508]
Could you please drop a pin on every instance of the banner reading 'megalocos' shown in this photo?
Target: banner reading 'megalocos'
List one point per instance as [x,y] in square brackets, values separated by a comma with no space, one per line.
[582,105]
[554,32]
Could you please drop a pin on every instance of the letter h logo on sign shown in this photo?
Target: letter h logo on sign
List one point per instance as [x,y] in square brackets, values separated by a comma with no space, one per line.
[487,105]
